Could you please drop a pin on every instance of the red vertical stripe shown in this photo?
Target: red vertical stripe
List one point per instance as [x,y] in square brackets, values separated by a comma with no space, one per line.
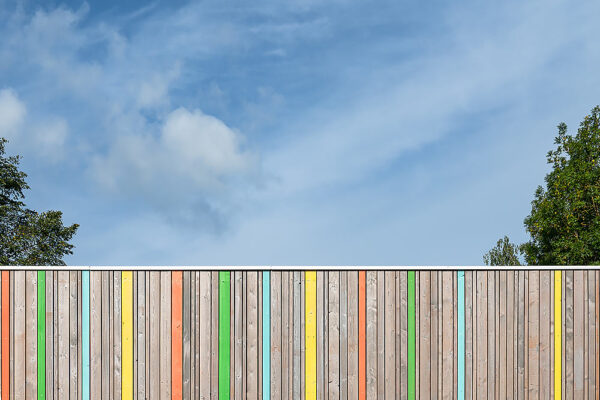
[362,333]
[5,334]
[176,335]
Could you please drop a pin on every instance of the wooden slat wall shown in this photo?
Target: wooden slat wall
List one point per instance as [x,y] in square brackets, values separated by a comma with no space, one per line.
[509,347]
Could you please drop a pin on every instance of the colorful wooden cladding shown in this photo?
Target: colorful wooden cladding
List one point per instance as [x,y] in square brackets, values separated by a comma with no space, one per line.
[287,335]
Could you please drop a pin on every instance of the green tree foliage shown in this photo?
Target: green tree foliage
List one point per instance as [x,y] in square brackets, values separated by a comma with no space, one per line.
[504,253]
[564,223]
[26,236]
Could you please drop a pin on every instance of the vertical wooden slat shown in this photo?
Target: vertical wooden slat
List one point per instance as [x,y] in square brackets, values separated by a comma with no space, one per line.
[585,336]
[334,335]
[193,314]
[252,335]
[353,333]
[557,335]
[147,335]
[303,337]
[285,325]
[411,386]
[238,333]
[276,335]
[127,332]
[362,335]
[12,335]
[578,334]
[380,334]
[41,335]
[176,335]
[311,334]
[85,311]
[544,334]
[343,335]
[154,360]
[73,336]
[224,331]
[205,328]
[95,334]
[398,317]
[214,344]
[30,335]
[433,334]
[592,343]
[425,335]
[534,338]
[266,332]
[141,335]
[501,333]
[403,290]
[482,334]
[417,335]
[469,335]
[117,328]
[510,312]
[320,339]
[371,342]
[5,334]
[111,328]
[447,338]
[165,335]
[460,355]
[491,334]
[50,336]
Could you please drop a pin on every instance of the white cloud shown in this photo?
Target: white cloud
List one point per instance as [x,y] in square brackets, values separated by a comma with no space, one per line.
[50,138]
[195,162]
[12,113]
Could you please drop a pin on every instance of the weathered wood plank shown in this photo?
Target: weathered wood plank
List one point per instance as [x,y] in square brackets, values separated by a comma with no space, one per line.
[447,336]
[73,334]
[320,341]
[154,360]
[592,340]
[141,335]
[95,334]
[205,332]
[568,334]
[343,335]
[502,334]
[433,334]
[491,334]
[19,366]
[50,316]
[469,335]
[334,335]
[425,376]
[117,329]
[252,336]
[276,334]
[403,333]
[533,352]
[353,333]
[482,334]
[578,334]
[31,335]
[165,335]
[214,344]
[398,317]
[380,334]
[238,331]
[545,381]
[372,336]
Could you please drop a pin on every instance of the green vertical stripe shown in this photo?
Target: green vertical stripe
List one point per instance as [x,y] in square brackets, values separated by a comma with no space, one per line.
[41,335]
[224,321]
[411,336]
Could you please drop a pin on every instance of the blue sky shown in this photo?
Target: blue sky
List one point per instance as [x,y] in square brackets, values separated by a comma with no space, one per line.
[291,133]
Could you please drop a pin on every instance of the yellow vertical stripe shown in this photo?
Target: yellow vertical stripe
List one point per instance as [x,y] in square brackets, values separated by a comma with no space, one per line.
[557,334]
[311,334]
[127,335]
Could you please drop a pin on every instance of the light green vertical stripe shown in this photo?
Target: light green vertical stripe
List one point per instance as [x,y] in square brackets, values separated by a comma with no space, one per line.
[224,330]
[41,335]
[411,336]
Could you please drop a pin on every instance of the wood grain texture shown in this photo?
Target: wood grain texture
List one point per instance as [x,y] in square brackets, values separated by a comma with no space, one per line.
[205,332]
[334,334]
[31,335]
[353,334]
[165,335]
[371,362]
[578,334]
[425,376]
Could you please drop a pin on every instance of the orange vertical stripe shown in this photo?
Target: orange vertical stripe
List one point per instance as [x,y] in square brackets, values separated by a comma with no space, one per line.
[176,335]
[362,332]
[5,334]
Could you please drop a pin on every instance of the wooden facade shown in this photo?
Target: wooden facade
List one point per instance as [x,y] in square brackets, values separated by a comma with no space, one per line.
[300,334]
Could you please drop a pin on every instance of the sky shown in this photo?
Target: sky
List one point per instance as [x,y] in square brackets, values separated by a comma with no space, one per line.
[291,133]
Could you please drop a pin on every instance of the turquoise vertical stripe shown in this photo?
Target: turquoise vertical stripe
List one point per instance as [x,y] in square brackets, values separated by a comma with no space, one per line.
[461,335]
[266,331]
[85,339]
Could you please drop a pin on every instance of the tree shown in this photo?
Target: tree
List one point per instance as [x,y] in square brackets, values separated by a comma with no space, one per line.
[26,236]
[504,253]
[564,223]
